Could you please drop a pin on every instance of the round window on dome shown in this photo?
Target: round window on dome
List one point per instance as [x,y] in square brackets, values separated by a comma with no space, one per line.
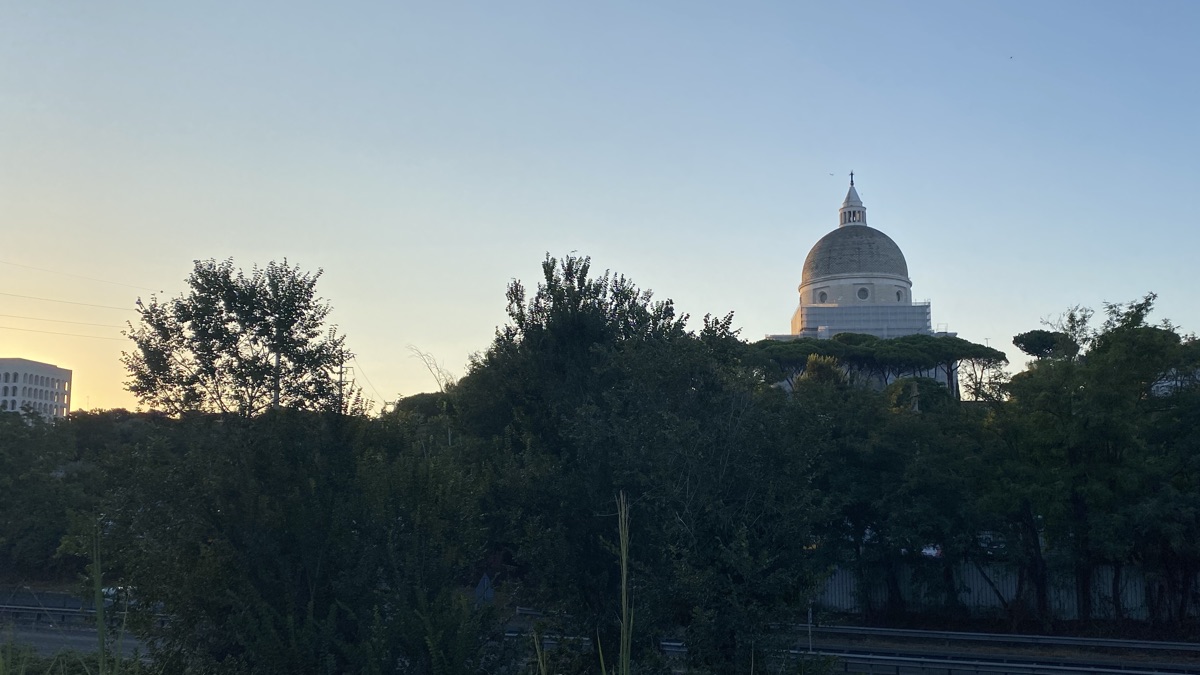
[863,294]
[899,296]
[822,297]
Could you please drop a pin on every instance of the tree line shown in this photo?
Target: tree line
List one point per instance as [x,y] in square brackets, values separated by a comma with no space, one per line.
[289,532]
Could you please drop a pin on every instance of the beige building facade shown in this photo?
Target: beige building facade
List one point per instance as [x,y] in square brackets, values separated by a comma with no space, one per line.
[42,387]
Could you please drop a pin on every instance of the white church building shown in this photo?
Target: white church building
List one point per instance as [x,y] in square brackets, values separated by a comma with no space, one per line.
[855,280]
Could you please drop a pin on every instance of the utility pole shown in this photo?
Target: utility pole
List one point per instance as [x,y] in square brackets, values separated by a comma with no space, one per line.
[275,388]
[341,381]
[277,347]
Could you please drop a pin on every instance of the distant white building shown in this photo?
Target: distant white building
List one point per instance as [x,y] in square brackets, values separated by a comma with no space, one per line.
[855,280]
[45,388]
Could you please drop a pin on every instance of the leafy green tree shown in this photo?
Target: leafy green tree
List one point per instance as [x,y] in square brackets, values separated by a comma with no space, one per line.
[1043,344]
[238,343]
[249,535]
[39,487]
[823,369]
[1166,519]
[722,466]
[1081,420]
[531,396]
[862,473]
[296,541]
[424,490]
[594,389]
[870,361]
[930,508]
[1013,497]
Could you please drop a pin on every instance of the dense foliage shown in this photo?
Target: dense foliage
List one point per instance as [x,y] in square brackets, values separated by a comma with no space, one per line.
[311,541]
[238,343]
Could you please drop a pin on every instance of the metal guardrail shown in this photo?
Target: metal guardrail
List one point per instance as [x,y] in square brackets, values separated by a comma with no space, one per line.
[848,661]
[887,664]
[55,616]
[30,614]
[877,663]
[1038,640]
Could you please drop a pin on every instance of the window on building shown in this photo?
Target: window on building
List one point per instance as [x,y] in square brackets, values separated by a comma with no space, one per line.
[863,294]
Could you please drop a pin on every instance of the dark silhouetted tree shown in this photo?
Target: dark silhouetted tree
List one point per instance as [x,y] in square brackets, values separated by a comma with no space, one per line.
[238,343]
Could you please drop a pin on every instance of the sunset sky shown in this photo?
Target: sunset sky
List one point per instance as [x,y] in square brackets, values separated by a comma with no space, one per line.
[1025,156]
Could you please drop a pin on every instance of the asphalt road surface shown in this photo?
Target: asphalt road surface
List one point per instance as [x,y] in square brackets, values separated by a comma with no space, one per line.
[49,641]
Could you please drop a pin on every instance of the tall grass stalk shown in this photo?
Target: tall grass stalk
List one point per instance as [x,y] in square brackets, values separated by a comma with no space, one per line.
[542,667]
[599,651]
[626,610]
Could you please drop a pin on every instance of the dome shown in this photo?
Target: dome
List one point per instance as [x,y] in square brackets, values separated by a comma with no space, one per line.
[856,250]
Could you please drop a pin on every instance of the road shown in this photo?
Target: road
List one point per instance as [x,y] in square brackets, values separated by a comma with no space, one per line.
[48,641]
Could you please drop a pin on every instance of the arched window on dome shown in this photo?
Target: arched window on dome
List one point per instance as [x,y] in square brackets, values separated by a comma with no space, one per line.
[899,296]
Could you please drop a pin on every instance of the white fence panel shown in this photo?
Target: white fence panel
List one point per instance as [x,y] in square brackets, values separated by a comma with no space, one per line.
[977,588]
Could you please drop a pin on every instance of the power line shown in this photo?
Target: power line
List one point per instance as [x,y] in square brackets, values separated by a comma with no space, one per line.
[68,302]
[364,374]
[78,323]
[50,332]
[77,276]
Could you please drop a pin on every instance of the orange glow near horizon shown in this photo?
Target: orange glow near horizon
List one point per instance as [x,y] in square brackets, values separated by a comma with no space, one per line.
[71,321]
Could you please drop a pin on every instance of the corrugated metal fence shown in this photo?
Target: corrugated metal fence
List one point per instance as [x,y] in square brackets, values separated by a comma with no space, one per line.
[974,592]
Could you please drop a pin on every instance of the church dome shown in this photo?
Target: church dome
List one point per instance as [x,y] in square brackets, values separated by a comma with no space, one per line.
[857,250]
[855,280]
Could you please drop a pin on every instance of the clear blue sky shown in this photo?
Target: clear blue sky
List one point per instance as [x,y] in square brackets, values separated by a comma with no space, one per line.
[1026,156]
